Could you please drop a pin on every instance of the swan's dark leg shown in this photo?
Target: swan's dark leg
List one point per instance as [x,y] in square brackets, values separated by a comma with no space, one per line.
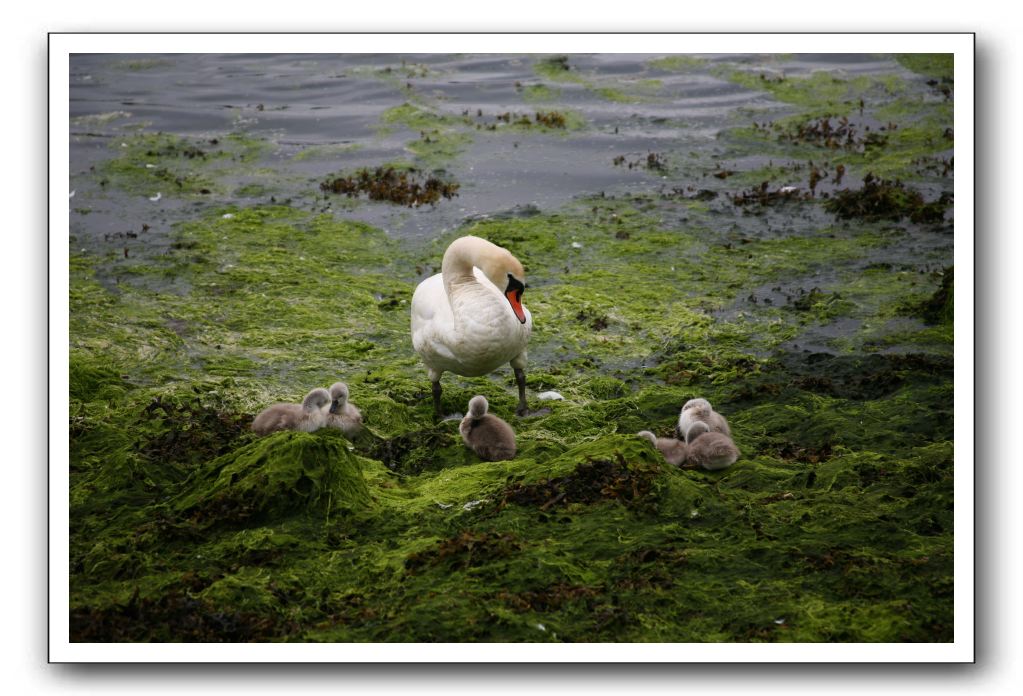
[520,379]
[436,400]
[523,411]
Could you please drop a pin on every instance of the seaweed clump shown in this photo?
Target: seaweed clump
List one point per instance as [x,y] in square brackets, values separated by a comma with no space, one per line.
[410,454]
[842,134]
[175,616]
[938,308]
[652,161]
[465,550]
[592,481]
[277,476]
[550,119]
[404,187]
[881,199]
[192,429]
[542,119]
[760,195]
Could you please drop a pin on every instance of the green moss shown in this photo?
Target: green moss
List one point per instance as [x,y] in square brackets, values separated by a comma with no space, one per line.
[252,191]
[938,65]
[556,69]
[614,95]
[677,63]
[916,129]
[274,477]
[540,93]
[559,69]
[416,117]
[151,163]
[436,147]
[823,91]
[325,151]
[93,120]
[940,307]
[441,137]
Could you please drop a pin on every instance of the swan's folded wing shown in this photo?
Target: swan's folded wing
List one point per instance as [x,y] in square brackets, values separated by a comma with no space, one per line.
[431,314]
[422,312]
[443,351]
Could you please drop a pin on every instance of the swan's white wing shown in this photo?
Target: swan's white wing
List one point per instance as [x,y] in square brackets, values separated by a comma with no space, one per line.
[430,310]
[488,334]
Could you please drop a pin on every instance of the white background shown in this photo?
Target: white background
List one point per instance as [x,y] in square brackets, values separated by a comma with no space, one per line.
[23,573]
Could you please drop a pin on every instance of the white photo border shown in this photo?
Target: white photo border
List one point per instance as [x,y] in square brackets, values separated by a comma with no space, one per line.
[961,44]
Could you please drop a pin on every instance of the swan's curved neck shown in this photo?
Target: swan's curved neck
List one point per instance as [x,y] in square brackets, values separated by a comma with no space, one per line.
[461,256]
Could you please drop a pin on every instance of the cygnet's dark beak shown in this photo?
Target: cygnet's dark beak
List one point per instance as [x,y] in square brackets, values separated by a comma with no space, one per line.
[334,405]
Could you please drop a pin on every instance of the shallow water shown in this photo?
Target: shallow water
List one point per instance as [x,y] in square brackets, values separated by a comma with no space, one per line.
[299,103]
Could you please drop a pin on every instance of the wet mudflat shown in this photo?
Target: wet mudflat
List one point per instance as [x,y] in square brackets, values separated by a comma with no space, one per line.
[772,233]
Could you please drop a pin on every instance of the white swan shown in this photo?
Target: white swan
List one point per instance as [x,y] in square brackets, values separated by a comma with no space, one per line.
[469,318]
[310,416]
[343,414]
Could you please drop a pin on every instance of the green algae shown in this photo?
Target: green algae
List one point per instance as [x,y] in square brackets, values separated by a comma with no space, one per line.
[442,137]
[939,308]
[274,476]
[102,119]
[677,63]
[614,94]
[416,117]
[879,124]
[822,91]
[540,93]
[556,69]
[834,525]
[938,65]
[634,551]
[150,163]
[317,152]
[142,64]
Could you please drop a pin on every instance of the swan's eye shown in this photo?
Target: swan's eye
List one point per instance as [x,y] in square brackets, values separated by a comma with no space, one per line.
[514,285]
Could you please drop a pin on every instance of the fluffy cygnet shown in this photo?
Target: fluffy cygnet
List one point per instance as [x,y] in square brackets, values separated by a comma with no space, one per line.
[700,411]
[711,450]
[343,415]
[309,416]
[674,451]
[486,434]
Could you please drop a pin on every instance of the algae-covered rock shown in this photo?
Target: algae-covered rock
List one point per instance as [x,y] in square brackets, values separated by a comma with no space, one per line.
[940,307]
[616,467]
[92,380]
[278,476]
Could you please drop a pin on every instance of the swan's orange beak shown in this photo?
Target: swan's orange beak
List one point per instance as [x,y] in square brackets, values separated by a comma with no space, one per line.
[515,300]
[514,294]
